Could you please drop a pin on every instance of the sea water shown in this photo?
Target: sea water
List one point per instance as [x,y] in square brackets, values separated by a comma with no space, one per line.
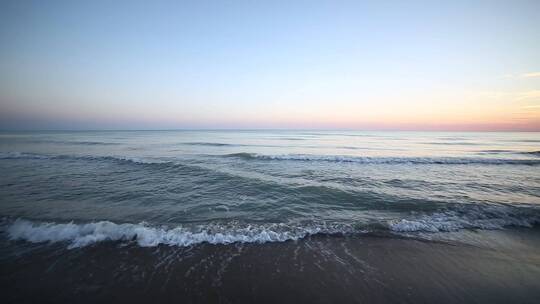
[182,188]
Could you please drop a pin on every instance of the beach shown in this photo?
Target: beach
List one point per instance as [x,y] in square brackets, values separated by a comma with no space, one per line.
[320,269]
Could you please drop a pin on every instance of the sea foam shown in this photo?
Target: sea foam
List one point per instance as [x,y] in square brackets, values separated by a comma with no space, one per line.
[145,235]
[301,157]
[80,235]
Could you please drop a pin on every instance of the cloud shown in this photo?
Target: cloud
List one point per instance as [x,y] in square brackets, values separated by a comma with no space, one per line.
[528,95]
[531,75]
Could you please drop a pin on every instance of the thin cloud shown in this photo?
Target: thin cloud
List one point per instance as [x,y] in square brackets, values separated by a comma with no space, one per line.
[531,75]
[528,95]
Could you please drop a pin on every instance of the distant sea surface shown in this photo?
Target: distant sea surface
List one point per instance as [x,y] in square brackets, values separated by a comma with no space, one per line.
[186,212]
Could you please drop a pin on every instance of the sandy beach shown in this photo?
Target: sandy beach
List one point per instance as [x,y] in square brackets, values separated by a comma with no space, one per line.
[319,269]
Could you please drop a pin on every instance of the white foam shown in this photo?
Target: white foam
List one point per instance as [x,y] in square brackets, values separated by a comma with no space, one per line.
[299,157]
[482,218]
[80,235]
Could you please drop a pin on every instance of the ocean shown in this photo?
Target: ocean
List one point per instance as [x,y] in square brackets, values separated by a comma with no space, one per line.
[265,216]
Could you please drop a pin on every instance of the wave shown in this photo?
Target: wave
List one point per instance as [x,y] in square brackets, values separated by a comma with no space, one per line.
[526,140]
[535,153]
[291,138]
[211,144]
[13,155]
[452,143]
[65,142]
[496,151]
[386,160]
[469,217]
[25,155]
[315,134]
[91,143]
[481,217]
[80,235]
[298,157]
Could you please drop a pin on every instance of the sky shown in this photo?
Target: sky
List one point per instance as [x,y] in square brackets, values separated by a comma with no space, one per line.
[367,65]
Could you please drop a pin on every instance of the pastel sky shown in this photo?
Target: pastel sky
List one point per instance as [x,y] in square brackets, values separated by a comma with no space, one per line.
[405,65]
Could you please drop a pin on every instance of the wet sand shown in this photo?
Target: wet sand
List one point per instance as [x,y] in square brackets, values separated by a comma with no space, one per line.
[493,267]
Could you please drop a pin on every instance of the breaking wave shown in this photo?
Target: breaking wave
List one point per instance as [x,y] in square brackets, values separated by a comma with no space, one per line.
[480,217]
[80,235]
[387,160]
[305,158]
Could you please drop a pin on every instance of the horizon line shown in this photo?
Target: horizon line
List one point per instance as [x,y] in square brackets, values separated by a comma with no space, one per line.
[266,129]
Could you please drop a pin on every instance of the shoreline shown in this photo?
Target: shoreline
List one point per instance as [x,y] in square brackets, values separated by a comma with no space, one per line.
[499,267]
